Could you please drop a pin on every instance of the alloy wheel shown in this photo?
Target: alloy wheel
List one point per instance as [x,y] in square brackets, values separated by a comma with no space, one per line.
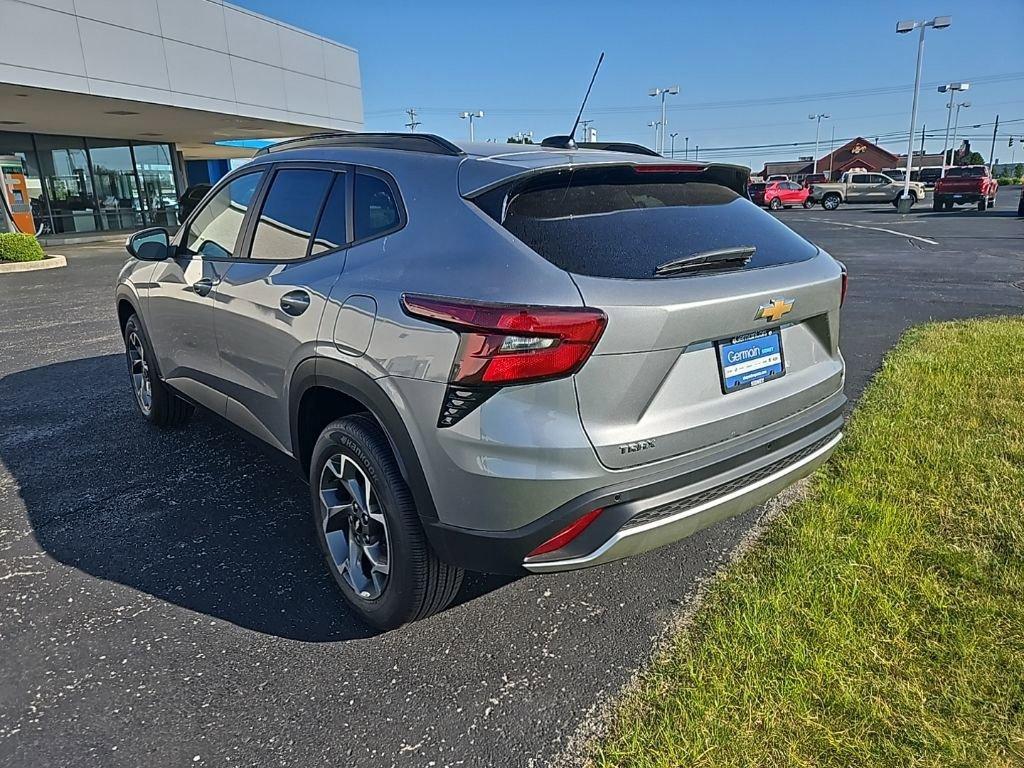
[138,370]
[353,524]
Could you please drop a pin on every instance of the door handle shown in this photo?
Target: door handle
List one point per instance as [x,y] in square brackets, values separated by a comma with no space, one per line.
[294,303]
[202,286]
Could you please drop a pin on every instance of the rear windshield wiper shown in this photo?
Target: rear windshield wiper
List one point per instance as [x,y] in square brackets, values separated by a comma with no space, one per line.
[723,257]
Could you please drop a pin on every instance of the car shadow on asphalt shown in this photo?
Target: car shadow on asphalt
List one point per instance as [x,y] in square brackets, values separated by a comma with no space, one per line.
[195,516]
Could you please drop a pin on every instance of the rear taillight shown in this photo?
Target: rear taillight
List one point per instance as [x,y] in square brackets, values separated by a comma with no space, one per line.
[567,534]
[846,281]
[503,344]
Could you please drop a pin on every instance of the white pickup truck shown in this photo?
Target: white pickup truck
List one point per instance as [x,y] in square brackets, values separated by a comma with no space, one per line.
[863,187]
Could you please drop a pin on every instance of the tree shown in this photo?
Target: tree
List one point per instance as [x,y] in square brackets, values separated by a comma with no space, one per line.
[975,158]
[1018,170]
[519,140]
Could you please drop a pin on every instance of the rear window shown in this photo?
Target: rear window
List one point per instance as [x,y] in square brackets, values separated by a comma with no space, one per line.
[619,223]
[972,173]
[757,187]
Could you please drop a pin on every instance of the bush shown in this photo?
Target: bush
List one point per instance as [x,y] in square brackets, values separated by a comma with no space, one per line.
[15,246]
[1008,180]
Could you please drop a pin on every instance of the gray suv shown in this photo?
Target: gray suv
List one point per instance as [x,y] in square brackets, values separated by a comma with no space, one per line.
[501,358]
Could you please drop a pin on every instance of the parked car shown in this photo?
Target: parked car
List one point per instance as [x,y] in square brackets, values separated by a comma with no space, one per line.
[190,199]
[778,177]
[862,187]
[815,178]
[897,174]
[494,357]
[972,184]
[780,194]
[929,175]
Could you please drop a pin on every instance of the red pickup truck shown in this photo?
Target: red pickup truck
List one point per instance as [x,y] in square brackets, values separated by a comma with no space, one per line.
[965,184]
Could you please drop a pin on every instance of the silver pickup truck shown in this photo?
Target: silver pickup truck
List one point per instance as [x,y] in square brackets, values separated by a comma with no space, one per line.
[863,187]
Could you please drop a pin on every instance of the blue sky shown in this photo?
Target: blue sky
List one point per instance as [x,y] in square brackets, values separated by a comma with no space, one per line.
[750,72]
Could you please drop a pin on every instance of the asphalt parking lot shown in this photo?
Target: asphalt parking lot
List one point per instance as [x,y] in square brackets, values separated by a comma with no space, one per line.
[163,602]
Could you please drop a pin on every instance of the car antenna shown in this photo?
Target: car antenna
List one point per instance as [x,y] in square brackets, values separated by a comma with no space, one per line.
[567,142]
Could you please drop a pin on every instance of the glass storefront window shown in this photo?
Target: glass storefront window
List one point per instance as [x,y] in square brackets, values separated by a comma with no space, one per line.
[159,192]
[114,180]
[22,171]
[64,168]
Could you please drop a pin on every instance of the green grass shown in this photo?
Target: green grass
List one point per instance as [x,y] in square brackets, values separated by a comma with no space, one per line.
[880,621]
[15,246]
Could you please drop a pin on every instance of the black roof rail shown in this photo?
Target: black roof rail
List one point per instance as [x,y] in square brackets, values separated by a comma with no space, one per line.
[618,146]
[409,142]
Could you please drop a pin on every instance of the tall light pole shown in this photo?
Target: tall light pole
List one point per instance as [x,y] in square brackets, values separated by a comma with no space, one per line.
[956,123]
[672,90]
[686,152]
[471,116]
[817,128]
[950,88]
[656,125]
[902,27]
[672,144]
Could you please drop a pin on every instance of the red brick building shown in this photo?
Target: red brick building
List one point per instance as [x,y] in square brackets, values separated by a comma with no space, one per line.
[858,153]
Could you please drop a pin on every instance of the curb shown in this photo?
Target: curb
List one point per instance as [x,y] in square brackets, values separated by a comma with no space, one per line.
[50,262]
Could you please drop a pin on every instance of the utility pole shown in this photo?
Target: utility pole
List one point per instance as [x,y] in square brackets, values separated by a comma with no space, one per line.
[939,22]
[831,151]
[922,145]
[992,151]
[413,122]
[584,124]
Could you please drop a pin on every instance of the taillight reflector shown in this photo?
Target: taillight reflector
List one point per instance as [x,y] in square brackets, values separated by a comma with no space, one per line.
[567,534]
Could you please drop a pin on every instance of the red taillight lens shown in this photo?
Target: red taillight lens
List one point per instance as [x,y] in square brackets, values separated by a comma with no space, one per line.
[567,534]
[508,344]
[846,282]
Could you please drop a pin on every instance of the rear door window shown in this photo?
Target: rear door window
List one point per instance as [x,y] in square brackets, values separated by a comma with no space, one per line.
[289,214]
[621,223]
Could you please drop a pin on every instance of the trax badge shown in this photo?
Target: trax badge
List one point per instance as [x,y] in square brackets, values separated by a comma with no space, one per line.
[775,310]
[640,445]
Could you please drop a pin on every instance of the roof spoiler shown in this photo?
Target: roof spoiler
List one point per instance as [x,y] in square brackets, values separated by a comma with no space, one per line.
[618,146]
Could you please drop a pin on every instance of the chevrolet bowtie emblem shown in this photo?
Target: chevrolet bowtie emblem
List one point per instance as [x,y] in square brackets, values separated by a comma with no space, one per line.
[775,310]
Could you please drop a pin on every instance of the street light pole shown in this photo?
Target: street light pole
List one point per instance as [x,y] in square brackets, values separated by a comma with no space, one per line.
[672,137]
[471,116]
[951,88]
[672,90]
[956,124]
[902,27]
[656,125]
[686,151]
[819,117]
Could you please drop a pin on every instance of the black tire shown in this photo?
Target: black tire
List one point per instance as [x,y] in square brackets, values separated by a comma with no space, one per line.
[164,407]
[831,201]
[808,203]
[948,205]
[418,583]
[983,204]
[936,205]
[775,204]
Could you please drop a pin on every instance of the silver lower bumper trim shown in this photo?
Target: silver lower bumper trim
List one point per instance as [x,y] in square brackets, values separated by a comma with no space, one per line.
[632,541]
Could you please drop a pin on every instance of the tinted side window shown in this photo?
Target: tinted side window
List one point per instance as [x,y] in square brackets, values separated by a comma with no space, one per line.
[332,230]
[861,178]
[215,228]
[877,179]
[374,206]
[289,214]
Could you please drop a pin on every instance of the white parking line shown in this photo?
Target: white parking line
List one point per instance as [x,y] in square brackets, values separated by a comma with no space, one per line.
[878,229]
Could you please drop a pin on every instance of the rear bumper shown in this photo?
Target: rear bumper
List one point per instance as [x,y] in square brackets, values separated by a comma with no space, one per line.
[647,512]
[674,520]
[961,197]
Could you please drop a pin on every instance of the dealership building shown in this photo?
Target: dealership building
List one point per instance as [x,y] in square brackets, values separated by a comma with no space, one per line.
[110,108]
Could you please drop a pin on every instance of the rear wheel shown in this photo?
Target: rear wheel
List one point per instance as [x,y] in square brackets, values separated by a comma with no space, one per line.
[937,205]
[369,530]
[775,204]
[831,201]
[155,401]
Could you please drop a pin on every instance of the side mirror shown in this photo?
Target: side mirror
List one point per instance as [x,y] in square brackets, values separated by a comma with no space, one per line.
[152,244]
